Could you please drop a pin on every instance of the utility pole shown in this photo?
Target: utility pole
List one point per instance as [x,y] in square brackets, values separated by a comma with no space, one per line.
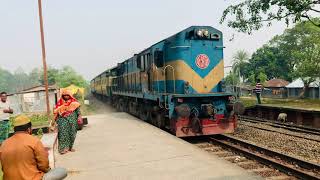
[45,75]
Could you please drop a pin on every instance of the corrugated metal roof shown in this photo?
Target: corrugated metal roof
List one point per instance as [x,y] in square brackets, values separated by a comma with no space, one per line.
[37,89]
[298,83]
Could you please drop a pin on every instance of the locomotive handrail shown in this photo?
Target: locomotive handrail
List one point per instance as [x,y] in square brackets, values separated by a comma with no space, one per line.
[156,72]
[165,86]
[174,78]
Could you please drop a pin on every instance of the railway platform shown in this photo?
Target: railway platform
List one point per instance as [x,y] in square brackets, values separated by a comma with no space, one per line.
[119,146]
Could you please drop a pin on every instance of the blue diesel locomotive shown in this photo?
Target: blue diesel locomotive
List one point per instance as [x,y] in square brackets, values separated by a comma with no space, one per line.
[176,83]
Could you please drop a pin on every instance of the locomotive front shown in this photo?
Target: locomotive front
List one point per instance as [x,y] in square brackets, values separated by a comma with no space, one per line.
[198,103]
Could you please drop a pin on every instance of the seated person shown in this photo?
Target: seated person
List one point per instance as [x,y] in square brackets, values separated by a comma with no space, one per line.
[23,156]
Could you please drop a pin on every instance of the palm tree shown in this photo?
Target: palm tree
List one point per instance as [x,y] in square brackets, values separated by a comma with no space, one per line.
[239,59]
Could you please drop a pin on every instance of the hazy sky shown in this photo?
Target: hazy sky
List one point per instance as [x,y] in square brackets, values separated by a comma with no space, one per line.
[93,35]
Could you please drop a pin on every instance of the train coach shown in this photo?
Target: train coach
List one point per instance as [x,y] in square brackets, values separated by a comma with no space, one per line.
[176,84]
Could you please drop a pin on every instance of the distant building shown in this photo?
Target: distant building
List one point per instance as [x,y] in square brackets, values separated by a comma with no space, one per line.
[240,90]
[33,100]
[275,88]
[296,87]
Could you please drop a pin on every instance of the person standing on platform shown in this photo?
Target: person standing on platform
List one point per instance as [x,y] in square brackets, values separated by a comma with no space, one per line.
[67,114]
[24,157]
[5,112]
[258,91]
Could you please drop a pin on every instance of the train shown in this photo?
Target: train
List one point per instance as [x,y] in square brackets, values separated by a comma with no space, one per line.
[176,84]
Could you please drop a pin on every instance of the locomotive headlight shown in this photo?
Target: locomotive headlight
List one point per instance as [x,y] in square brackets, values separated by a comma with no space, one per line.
[200,33]
[206,33]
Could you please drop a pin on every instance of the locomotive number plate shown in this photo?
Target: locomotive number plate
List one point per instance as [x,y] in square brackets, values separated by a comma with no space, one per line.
[202,61]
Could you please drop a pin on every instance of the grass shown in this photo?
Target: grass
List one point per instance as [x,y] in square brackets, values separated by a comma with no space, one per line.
[309,104]
[37,120]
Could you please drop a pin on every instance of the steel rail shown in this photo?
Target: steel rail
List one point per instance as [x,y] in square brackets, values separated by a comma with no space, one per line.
[269,157]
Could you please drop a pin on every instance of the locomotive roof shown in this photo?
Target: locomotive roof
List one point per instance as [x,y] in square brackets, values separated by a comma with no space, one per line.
[187,29]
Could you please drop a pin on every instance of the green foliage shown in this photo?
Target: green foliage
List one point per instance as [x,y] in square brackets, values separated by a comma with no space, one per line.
[294,54]
[232,79]
[65,77]
[17,81]
[251,15]
[21,80]
[39,133]
[37,120]
[5,79]
[268,60]
[263,77]
[304,51]
[52,76]
[308,66]
[240,59]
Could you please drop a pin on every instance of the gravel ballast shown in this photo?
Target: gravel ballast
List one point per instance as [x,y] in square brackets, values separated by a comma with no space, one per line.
[294,146]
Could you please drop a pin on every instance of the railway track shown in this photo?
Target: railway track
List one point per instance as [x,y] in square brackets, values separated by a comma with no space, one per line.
[280,132]
[272,165]
[291,127]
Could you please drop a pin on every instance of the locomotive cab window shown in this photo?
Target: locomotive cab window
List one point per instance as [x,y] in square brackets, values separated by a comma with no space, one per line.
[138,62]
[147,61]
[158,58]
[141,63]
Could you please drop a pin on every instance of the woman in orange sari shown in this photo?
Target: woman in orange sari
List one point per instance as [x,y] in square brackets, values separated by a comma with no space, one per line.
[66,114]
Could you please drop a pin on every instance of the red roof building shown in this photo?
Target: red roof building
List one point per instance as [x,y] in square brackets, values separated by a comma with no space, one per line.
[276,83]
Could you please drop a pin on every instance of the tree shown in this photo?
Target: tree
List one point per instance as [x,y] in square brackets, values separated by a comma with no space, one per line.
[263,77]
[5,78]
[52,76]
[35,77]
[308,66]
[239,62]
[21,80]
[293,54]
[232,79]
[64,77]
[270,61]
[301,45]
[67,76]
[251,15]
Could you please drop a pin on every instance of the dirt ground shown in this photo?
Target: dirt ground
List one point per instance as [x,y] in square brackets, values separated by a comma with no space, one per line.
[96,106]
